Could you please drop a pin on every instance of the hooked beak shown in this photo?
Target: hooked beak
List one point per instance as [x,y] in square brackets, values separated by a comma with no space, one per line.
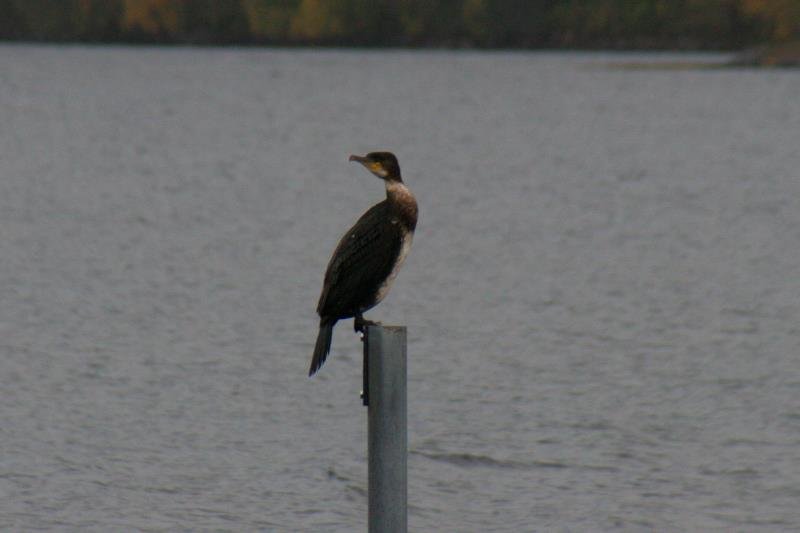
[373,166]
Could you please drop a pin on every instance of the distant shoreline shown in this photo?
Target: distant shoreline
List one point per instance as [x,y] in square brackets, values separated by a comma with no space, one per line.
[610,25]
[777,55]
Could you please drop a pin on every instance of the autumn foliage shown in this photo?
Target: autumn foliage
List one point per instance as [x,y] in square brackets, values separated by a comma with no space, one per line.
[152,17]
[479,23]
[781,16]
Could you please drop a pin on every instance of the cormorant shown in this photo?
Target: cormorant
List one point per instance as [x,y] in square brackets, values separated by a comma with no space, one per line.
[368,257]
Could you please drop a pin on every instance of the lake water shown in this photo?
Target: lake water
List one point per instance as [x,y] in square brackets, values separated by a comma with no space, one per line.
[602,299]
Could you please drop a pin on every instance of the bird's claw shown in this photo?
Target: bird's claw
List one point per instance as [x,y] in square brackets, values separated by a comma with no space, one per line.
[360,325]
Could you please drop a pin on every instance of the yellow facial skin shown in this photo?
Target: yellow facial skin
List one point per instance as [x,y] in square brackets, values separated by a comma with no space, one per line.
[373,166]
[376,168]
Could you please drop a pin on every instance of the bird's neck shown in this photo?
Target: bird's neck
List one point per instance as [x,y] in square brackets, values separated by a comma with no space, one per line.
[404,201]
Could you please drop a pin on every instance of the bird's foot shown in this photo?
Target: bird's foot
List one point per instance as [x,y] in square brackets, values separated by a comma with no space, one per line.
[360,325]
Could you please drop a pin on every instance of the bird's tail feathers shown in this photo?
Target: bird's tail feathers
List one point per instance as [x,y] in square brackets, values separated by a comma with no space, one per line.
[323,345]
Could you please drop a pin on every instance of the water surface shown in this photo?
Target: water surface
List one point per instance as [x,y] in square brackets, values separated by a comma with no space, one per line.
[602,299]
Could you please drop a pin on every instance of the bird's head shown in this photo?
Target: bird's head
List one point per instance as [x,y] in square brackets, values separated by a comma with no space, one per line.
[382,164]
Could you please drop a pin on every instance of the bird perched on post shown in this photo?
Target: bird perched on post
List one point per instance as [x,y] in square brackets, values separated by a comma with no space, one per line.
[368,257]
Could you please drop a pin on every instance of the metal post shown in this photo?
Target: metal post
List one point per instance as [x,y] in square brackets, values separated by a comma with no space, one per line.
[385,352]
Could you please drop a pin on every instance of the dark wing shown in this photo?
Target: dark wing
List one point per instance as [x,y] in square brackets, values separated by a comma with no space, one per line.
[361,262]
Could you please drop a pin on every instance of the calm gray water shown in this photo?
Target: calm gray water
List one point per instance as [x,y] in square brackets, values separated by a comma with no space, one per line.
[602,299]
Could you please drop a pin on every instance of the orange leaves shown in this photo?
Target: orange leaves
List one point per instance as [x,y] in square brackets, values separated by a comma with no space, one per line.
[153,17]
[782,15]
[316,20]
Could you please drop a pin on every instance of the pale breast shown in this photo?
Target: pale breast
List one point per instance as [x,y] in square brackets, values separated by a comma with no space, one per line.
[405,247]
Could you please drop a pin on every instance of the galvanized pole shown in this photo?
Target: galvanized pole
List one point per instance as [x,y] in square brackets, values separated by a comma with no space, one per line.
[385,355]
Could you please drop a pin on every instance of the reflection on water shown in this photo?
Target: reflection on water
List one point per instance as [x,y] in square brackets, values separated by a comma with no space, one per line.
[601,300]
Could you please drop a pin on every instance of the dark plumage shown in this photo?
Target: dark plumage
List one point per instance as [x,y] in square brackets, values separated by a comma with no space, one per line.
[368,256]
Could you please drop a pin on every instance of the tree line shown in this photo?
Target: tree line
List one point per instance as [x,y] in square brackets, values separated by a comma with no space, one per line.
[664,24]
